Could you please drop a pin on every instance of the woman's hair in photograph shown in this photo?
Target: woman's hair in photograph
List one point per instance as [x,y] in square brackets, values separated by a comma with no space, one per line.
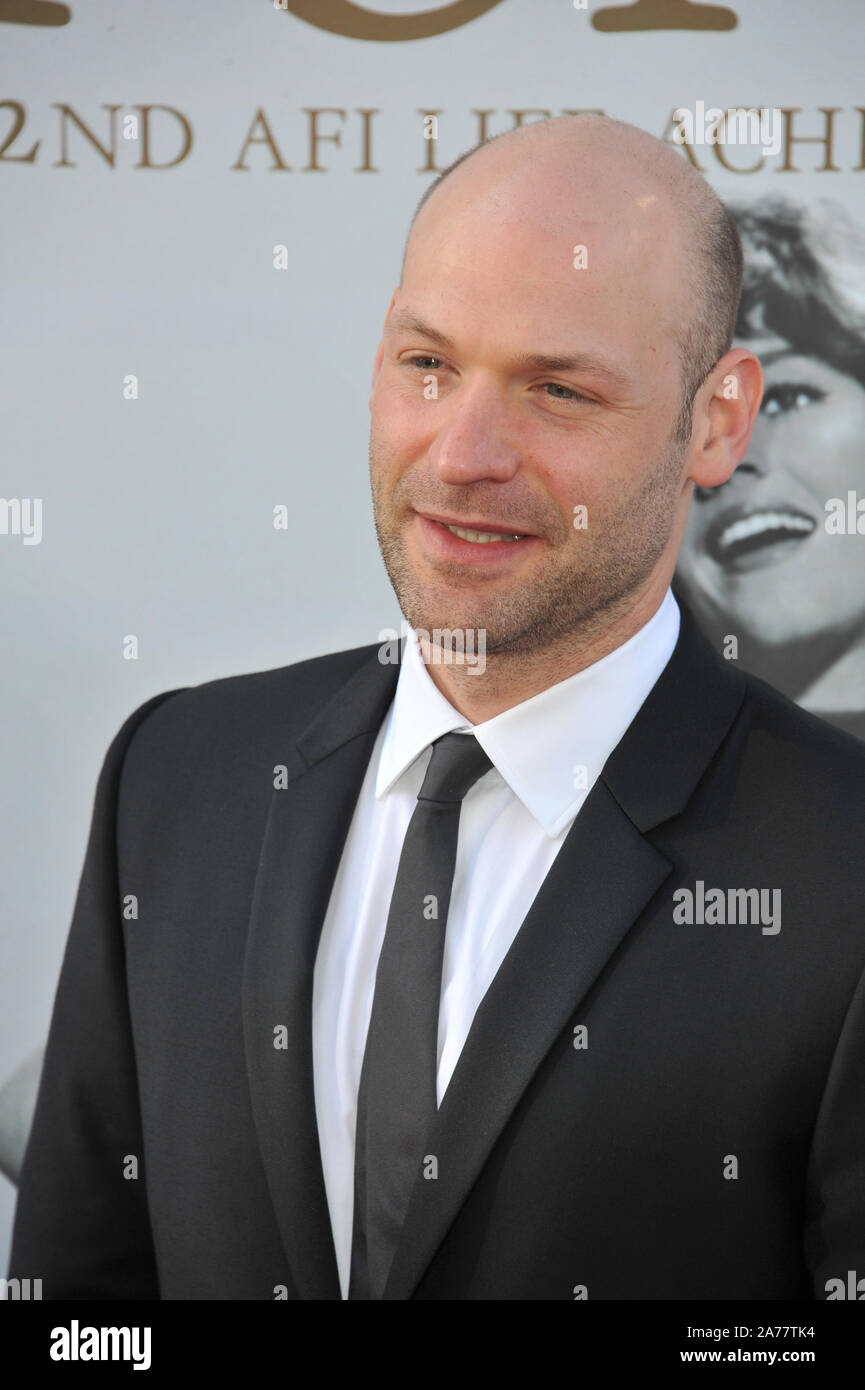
[804,280]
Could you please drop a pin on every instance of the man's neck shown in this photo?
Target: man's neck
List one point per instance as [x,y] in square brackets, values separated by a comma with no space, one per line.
[509,678]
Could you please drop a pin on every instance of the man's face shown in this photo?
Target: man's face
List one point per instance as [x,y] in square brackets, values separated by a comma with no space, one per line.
[469,431]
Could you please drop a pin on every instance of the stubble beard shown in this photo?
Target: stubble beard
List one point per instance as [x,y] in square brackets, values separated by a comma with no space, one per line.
[584,580]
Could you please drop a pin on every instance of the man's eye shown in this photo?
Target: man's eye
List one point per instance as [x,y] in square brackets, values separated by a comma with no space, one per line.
[571,395]
[789,396]
[425,364]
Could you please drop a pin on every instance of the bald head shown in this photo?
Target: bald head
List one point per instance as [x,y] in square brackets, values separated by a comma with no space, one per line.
[642,201]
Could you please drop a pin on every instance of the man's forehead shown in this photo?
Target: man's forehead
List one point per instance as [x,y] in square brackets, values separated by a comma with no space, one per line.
[547,276]
[535,247]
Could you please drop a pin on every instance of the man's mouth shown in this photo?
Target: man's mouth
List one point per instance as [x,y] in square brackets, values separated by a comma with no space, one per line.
[482,537]
[474,541]
[748,537]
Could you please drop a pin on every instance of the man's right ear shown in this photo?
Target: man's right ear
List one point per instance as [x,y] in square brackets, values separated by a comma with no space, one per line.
[725,410]
[379,357]
[376,368]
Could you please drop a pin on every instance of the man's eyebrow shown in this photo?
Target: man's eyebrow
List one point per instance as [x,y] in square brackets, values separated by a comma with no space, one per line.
[405,322]
[572,362]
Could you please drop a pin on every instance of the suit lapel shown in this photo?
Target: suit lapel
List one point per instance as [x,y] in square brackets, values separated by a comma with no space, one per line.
[598,885]
[306,828]
[600,882]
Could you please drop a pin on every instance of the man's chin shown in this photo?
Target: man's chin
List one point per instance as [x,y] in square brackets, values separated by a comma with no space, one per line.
[471,632]
[438,622]
[440,609]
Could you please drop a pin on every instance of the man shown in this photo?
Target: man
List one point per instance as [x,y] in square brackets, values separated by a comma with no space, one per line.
[536,977]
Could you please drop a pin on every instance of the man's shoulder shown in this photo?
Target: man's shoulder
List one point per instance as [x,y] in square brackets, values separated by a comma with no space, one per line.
[239,712]
[768,724]
[303,683]
[800,753]
[778,715]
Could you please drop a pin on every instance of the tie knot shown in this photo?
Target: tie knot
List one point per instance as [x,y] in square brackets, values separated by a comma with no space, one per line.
[456,764]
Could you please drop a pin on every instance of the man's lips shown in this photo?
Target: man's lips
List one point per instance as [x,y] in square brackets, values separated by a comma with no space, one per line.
[472,540]
[502,529]
[753,536]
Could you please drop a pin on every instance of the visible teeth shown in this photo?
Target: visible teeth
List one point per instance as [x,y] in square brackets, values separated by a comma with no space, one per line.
[480,536]
[749,526]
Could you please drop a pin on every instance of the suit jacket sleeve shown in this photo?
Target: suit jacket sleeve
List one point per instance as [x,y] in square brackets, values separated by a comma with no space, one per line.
[81,1223]
[835,1228]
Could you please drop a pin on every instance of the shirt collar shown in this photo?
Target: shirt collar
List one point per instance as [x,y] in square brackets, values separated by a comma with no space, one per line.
[551,748]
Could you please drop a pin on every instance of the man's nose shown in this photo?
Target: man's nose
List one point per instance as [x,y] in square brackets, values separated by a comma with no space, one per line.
[474,441]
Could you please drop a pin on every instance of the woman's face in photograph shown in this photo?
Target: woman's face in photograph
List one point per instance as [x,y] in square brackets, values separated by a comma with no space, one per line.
[756,557]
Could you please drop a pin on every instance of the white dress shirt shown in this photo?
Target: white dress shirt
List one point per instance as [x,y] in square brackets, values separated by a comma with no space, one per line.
[547,753]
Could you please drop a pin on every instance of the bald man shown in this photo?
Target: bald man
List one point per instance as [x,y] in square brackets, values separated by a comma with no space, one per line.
[520,958]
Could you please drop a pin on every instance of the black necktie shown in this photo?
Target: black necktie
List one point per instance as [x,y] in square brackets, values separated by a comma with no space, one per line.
[397,1095]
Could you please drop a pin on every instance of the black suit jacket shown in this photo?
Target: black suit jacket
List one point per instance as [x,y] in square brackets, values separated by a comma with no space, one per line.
[708,1142]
